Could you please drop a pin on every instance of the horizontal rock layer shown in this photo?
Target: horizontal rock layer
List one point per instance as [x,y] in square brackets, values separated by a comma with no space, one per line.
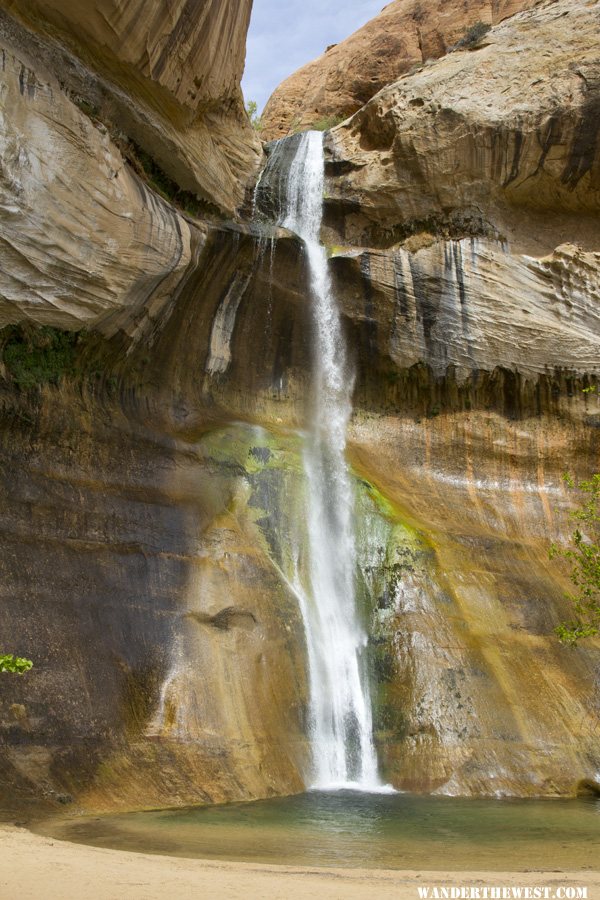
[156,511]
[153,466]
[471,306]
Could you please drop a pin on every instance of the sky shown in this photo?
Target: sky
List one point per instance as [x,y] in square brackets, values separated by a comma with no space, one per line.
[286,34]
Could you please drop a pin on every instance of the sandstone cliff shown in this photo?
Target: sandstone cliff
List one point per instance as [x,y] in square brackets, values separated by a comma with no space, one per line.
[502,140]
[482,200]
[155,383]
[406,33]
[167,77]
[87,240]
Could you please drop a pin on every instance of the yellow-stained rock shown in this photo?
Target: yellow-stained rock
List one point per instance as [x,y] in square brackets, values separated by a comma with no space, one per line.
[478,696]
[152,475]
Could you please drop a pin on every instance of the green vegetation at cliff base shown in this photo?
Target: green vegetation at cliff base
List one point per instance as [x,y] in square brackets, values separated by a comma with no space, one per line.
[36,355]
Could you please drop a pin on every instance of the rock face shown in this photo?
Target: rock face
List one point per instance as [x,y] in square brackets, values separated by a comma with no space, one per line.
[97,248]
[153,504]
[471,306]
[94,249]
[473,685]
[406,34]
[168,78]
[155,382]
[153,507]
[489,185]
[172,667]
[459,145]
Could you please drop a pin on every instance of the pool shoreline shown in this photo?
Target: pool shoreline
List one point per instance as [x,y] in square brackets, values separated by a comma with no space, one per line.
[33,866]
[355,831]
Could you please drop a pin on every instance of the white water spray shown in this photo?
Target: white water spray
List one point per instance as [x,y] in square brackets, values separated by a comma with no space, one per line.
[340,708]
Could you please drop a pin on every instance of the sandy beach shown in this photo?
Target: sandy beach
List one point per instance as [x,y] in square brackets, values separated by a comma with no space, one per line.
[34,867]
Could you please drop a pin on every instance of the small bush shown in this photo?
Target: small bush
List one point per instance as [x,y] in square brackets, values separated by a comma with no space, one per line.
[15,664]
[35,356]
[583,555]
[255,119]
[88,109]
[473,36]
[327,122]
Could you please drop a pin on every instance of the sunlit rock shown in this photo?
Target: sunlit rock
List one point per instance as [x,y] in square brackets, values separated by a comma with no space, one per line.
[405,35]
[155,394]
[166,77]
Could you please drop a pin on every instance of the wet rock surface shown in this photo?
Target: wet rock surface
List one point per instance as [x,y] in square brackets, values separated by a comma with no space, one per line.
[158,533]
[153,395]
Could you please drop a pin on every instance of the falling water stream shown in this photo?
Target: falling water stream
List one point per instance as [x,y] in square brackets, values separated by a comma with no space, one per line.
[340,707]
[369,825]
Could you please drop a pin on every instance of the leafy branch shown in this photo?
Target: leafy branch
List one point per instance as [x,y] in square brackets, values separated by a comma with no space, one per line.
[583,554]
[15,664]
[255,119]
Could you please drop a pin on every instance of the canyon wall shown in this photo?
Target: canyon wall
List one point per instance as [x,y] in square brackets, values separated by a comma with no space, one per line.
[462,146]
[462,210]
[156,361]
[167,79]
[405,35]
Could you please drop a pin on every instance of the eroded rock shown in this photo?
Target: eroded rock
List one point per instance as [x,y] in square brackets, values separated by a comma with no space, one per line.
[503,139]
[168,77]
[85,243]
[153,476]
[469,306]
[406,34]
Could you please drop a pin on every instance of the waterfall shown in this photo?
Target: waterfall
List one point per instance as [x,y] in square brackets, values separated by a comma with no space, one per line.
[341,727]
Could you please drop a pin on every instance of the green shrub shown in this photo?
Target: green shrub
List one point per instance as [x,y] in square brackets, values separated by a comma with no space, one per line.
[327,122]
[150,172]
[255,119]
[88,109]
[38,355]
[583,555]
[15,664]
[144,164]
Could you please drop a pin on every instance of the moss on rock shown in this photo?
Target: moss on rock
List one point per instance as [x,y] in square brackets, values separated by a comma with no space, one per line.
[33,356]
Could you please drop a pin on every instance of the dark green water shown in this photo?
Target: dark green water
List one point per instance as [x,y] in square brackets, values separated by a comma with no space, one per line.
[396,831]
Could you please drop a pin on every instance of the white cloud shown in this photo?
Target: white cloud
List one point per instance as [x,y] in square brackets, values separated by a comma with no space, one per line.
[286,34]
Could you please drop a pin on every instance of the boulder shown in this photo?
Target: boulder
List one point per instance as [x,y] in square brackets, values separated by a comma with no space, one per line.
[499,140]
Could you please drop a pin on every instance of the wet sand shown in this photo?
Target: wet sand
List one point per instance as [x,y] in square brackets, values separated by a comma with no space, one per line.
[38,867]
